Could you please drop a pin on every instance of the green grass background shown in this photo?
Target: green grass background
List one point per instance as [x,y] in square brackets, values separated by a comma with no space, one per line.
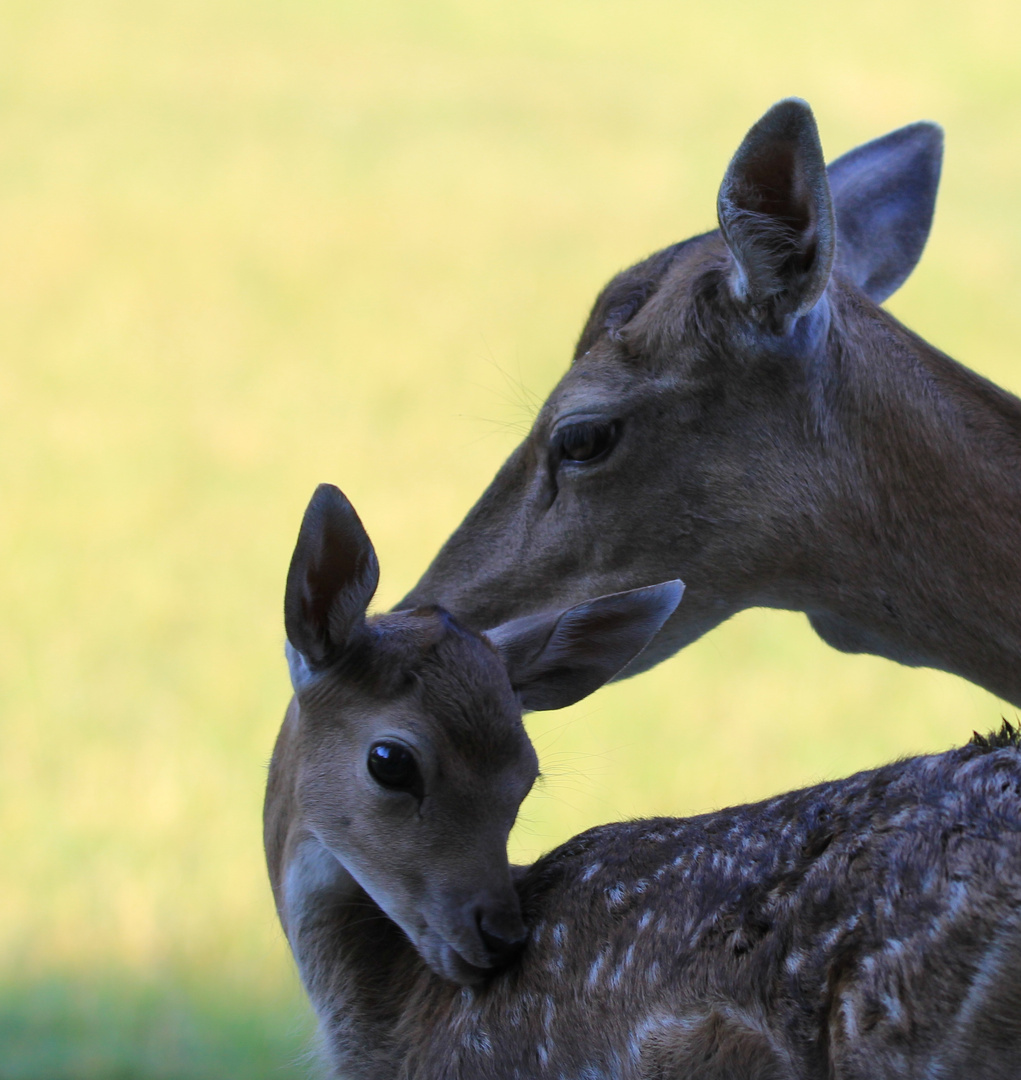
[249,246]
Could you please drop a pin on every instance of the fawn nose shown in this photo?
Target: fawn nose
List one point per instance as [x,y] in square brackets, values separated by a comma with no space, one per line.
[502,933]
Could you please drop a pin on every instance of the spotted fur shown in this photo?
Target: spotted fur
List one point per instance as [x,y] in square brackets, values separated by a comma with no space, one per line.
[861,929]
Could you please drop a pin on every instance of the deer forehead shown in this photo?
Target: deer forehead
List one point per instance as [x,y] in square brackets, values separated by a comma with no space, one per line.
[649,359]
[603,384]
[441,690]
[628,292]
[465,693]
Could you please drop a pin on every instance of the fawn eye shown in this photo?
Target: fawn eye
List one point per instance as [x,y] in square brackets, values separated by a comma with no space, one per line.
[585,440]
[394,766]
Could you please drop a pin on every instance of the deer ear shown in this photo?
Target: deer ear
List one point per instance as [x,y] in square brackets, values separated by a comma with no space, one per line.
[556,659]
[776,215]
[331,579]
[884,196]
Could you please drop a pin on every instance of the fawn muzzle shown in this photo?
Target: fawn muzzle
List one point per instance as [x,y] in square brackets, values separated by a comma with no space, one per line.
[502,933]
[481,934]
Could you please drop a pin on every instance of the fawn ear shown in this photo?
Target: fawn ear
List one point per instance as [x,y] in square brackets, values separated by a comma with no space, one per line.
[776,216]
[884,196]
[560,657]
[331,579]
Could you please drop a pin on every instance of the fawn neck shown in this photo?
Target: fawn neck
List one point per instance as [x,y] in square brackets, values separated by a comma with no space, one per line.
[357,964]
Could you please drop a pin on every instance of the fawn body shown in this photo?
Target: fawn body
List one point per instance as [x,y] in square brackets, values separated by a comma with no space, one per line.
[866,928]
[741,414]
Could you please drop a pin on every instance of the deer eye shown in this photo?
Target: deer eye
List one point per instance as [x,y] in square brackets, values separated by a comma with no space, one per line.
[394,766]
[585,440]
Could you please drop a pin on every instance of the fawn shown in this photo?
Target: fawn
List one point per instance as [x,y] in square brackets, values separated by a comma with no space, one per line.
[863,928]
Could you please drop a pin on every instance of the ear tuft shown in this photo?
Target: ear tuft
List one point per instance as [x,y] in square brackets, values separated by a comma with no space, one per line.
[331,579]
[557,658]
[884,195]
[302,674]
[776,215]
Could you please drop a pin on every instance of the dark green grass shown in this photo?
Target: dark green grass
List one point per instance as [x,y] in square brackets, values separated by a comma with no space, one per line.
[104,1028]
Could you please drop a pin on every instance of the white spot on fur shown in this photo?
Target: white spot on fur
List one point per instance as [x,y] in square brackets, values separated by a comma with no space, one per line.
[640,1033]
[616,895]
[595,969]
[477,1041]
[644,921]
[590,871]
[838,932]
[894,947]
[957,896]
[850,1020]
[559,935]
[794,961]
[894,1009]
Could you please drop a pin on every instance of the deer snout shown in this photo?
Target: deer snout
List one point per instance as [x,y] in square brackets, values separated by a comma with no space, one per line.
[502,932]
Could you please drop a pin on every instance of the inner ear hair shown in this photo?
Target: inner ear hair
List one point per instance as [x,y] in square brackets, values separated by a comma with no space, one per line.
[331,579]
[776,215]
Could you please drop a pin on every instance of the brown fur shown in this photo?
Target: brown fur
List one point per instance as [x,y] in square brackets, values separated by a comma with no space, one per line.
[865,929]
[828,461]
[713,1047]
[397,776]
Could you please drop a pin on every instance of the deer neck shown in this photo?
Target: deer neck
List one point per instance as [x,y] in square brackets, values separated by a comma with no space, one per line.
[918,541]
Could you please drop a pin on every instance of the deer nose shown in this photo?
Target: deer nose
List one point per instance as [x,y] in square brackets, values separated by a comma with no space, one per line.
[502,933]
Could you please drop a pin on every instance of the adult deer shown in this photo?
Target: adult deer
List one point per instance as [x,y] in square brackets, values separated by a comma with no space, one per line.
[740,413]
[867,928]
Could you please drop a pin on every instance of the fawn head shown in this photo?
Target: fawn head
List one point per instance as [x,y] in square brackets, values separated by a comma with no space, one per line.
[413,760]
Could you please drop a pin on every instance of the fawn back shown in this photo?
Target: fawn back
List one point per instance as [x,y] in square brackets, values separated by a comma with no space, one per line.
[866,928]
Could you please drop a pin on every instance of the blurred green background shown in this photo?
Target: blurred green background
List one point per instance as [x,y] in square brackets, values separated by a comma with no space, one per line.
[249,246]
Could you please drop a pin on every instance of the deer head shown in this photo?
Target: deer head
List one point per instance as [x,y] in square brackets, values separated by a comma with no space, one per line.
[412,759]
[701,431]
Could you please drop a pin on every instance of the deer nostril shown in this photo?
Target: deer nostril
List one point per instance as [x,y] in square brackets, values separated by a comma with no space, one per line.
[503,936]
